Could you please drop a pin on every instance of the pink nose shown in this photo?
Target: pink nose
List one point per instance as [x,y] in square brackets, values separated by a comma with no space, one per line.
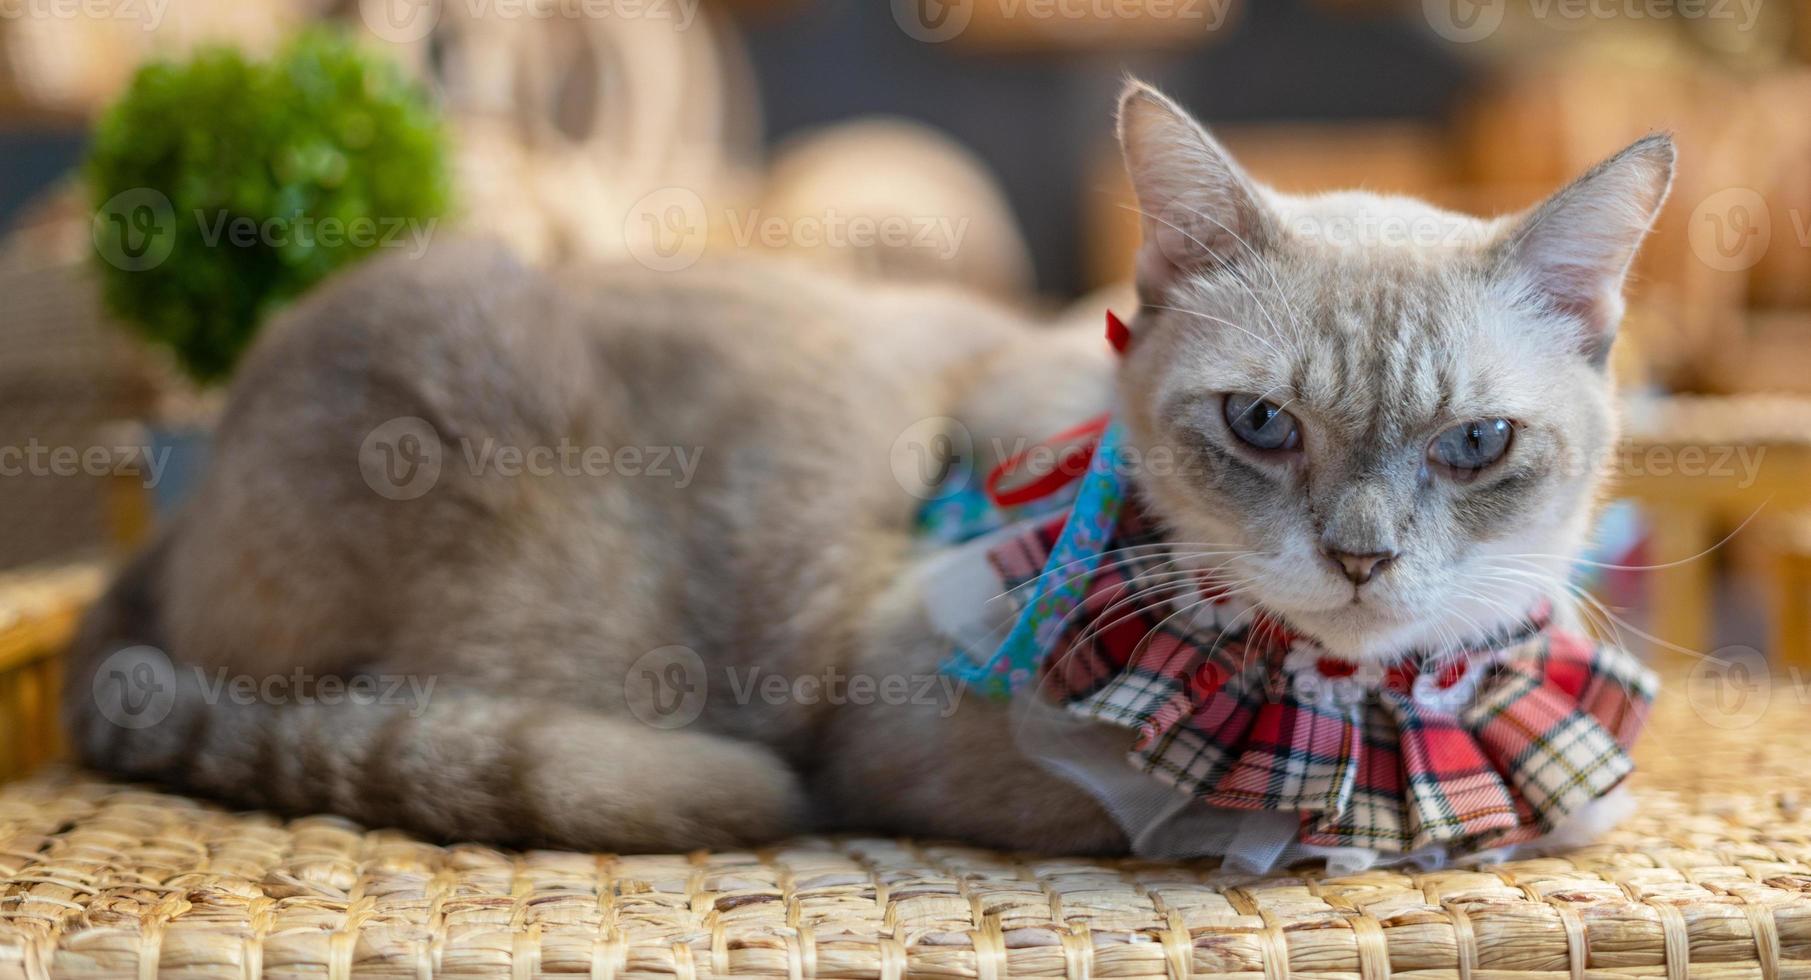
[1359,567]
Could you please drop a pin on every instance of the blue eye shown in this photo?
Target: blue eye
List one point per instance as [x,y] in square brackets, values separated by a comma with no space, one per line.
[1471,446]
[1260,424]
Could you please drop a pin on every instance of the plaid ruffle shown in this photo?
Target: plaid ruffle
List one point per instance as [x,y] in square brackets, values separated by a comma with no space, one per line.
[1465,750]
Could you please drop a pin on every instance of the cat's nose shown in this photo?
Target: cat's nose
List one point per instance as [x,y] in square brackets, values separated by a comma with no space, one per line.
[1358,566]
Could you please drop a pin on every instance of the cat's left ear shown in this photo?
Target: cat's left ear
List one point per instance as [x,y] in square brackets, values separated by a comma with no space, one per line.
[1574,249]
[1198,210]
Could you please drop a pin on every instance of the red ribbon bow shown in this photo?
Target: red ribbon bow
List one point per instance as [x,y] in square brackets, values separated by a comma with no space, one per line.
[1118,335]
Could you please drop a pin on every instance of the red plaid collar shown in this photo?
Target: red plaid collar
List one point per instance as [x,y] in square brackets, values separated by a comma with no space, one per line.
[1463,749]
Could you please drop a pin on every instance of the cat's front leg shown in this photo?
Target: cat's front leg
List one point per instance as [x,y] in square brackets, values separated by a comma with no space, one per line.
[923,754]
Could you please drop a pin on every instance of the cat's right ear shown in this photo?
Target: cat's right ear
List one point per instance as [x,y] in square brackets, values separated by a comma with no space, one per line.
[1574,249]
[1197,208]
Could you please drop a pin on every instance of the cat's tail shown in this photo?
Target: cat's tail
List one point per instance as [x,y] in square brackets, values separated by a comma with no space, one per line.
[406,751]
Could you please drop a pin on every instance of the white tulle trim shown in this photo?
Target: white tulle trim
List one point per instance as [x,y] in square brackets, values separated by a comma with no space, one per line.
[1163,824]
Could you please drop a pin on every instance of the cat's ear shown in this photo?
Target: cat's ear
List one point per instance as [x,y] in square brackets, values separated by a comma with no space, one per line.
[1197,208]
[1574,249]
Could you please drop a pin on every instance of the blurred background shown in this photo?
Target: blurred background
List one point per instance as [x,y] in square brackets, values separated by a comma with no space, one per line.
[958,141]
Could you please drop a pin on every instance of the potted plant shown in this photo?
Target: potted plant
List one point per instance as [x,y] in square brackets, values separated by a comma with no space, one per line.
[225,187]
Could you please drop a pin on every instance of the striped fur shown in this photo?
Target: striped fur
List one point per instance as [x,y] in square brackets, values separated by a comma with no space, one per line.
[531,602]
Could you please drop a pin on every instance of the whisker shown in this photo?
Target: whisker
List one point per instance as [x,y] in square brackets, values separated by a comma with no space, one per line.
[1237,276]
[1136,553]
[1584,596]
[1228,589]
[1220,641]
[1269,269]
[1061,626]
[1101,626]
[1222,320]
[1103,567]
[1189,579]
[1649,568]
[1602,629]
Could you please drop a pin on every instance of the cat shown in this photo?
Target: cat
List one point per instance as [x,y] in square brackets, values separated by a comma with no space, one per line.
[1390,413]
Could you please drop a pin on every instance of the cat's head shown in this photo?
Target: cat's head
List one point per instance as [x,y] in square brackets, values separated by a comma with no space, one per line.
[1393,416]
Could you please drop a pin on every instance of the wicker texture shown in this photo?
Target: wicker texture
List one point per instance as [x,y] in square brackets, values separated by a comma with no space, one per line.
[1708,880]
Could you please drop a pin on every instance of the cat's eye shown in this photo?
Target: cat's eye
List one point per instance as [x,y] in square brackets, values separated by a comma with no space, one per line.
[1471,446]
[1262,424]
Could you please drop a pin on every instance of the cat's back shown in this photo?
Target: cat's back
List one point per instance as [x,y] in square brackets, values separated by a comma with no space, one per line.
[425,434]
[466,310]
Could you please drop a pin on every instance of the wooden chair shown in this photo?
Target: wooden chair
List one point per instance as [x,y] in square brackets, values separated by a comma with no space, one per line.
[1701,467]
[39,610]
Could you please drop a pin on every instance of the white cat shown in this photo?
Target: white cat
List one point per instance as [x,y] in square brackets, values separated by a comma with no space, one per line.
[1390,416]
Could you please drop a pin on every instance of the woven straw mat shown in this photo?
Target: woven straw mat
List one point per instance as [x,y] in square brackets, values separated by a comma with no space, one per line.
[1709,880]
